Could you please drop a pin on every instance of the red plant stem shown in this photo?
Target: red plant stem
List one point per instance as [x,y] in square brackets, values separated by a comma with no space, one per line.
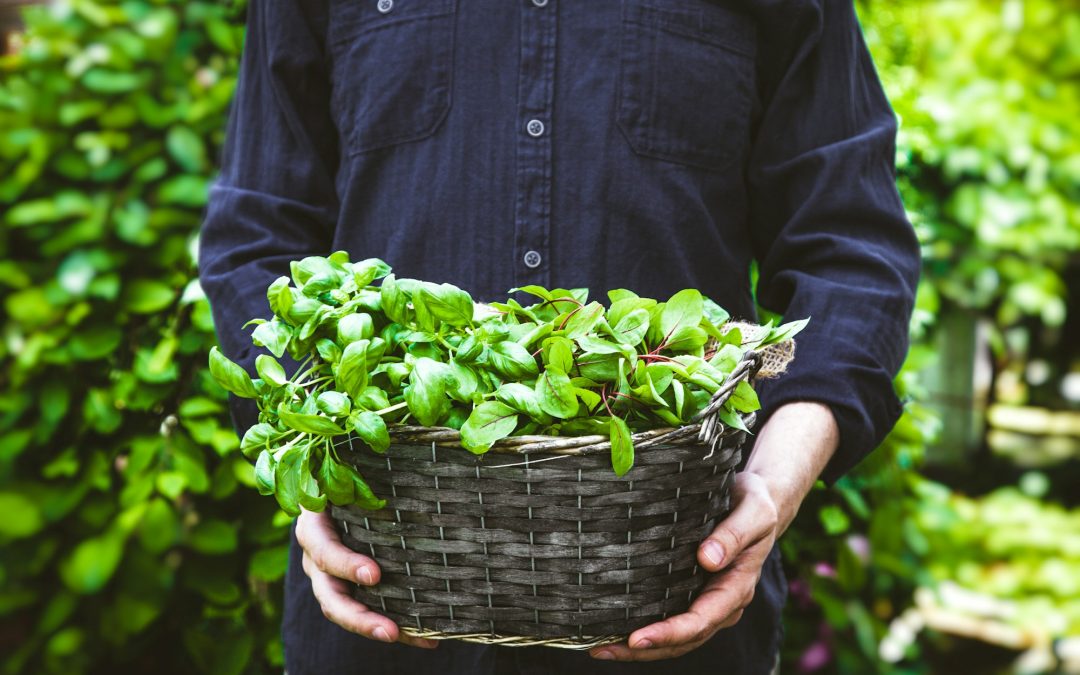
[568,316]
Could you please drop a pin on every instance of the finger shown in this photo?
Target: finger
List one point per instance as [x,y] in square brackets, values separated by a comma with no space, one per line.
[753,519]
[339,607]
[724,595]
[316,535]
[620,652]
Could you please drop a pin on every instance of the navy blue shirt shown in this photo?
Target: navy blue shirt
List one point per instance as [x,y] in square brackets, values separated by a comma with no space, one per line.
[653,145]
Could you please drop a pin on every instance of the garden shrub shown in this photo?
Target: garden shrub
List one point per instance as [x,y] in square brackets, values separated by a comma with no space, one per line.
[131,536]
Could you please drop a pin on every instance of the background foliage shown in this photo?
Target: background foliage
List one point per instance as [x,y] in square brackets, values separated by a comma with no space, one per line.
[132,536]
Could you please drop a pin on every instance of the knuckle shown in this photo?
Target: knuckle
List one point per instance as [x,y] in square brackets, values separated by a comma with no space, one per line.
[735,540]
[748,598]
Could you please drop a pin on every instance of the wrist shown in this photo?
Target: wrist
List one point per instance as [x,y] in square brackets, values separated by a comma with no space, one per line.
[791,451]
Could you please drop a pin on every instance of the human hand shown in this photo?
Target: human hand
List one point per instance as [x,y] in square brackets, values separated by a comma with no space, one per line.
[736,551]
[333,568]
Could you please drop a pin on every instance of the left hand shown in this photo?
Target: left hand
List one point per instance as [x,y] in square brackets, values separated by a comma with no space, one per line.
[735,551]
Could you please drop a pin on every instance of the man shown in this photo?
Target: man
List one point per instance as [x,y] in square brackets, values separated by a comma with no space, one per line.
[648,144]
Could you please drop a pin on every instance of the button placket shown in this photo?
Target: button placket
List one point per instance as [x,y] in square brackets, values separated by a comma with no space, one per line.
[533,179]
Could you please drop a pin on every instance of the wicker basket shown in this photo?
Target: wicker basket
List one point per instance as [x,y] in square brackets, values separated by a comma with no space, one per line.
[538,542]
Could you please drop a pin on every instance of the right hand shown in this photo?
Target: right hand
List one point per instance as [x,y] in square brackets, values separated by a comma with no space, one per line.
[333,568]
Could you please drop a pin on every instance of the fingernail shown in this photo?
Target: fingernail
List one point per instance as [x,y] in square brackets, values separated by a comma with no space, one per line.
[381,634]
[604,656]
[364,574]
[714,553]
[643,643]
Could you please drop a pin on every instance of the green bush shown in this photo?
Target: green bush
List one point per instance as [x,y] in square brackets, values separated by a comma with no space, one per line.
[989,156]
[131,536]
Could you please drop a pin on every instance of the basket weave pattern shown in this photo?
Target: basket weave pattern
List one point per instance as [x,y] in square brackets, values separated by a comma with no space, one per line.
[538,541]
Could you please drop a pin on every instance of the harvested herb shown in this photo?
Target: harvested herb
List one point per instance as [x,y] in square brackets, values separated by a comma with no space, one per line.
[405,350]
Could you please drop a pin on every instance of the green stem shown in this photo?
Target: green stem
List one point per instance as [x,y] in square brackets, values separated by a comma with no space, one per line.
[282,450]
[396,406]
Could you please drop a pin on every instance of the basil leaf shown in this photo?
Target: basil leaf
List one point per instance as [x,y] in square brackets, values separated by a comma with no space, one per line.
[310,267]
[336,482]
[622,447]
[334,403]
[270,370]
[353,327]
[372,398]
[364,497]
[329,351]
[302,310]
[469,350]
[311,495]
[393,300]
[512,361]
[426,392]
[280,297]
[230,376]
[264,473]
[521,398]
[446,303]
[258,437]
[352,369]
[371,428]
[311,424]
[274,335]
[555,394]
[287,480]
[488,422]
[366,271]
[467,382]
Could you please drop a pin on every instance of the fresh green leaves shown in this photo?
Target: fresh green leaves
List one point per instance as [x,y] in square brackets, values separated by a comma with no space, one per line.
[488,422]
[411,351]
[230,376]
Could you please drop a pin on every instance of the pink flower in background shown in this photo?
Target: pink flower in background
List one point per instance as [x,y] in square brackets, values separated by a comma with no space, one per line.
[860,546]
[824,569]
[816,657]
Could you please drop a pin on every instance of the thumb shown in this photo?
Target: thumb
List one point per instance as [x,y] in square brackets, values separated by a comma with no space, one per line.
[754,517]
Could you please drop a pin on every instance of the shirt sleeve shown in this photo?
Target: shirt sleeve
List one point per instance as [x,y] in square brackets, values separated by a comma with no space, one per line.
[830,233]
[274,200]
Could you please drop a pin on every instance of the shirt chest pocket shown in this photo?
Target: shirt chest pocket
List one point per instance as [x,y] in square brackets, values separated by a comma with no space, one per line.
[687,81]
[392,69]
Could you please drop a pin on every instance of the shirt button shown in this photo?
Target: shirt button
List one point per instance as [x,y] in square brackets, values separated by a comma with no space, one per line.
[385,6]
[540,3]
[535,128]
[532,259]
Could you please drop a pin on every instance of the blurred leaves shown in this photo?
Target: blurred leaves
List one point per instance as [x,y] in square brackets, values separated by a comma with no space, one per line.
[120,486]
